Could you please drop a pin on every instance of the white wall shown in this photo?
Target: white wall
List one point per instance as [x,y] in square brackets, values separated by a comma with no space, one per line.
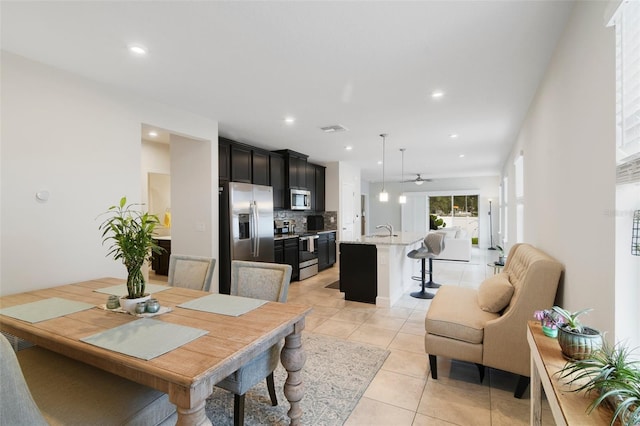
[337,174]
[568,140]
[627,266]
[485,186]
[81,141]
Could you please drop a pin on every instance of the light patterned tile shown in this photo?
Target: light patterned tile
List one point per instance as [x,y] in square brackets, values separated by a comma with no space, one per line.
[396,389]
[352,316]
[464,406]
[408,342]
[334,328]
[408,363]
[422,420]
[416,328]
[369,412]
[386,322]
[373,335]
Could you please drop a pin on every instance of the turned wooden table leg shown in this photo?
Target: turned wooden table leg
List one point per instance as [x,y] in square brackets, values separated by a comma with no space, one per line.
[193,416]
[293,358]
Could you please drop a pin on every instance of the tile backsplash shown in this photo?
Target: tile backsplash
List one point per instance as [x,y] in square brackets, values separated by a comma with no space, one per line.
[300,219]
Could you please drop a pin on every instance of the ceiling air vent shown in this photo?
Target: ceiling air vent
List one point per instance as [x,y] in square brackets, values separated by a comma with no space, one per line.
[334,128]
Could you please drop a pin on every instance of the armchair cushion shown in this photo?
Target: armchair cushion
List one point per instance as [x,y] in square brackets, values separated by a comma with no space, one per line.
[466,324]
[494,293]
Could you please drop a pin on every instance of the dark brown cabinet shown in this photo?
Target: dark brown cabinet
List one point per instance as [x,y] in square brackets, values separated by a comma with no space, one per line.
[318,190]
[277,174]
[295,169]
[224,159]
[286,252]
[260,167]
[326,250]
[160,261]
[240,163]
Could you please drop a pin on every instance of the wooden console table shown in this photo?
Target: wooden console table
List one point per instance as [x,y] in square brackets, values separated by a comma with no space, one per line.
[568,408]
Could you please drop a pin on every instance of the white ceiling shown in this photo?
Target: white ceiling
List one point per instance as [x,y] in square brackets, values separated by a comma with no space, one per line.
[370,66]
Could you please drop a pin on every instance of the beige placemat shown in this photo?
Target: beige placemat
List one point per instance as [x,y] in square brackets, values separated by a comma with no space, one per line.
[145,338]
[45,309]
[121,289]
[223,304]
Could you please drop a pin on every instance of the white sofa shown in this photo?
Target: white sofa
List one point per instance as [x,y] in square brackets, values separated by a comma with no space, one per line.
[457,244]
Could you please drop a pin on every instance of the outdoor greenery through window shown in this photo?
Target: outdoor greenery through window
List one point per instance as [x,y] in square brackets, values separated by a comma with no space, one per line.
[457,211]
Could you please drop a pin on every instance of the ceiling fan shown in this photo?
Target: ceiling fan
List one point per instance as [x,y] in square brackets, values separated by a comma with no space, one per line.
[418,180]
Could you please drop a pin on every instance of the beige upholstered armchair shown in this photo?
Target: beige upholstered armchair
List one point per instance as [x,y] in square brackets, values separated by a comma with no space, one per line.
[266,281]
[487,326]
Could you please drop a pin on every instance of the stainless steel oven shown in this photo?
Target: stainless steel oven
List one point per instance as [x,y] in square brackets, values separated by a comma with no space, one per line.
[308,256]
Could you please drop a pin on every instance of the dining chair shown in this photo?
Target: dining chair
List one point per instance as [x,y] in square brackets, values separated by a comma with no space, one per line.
[17,406]
[193,272]
[266,281]
[31,381]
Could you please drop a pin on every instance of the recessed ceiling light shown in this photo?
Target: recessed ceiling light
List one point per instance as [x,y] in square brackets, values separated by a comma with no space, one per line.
[153,134]
[453,135]
[461,156]
[137,49]
[379,163]
[289,120]
[437,94]
[348,147]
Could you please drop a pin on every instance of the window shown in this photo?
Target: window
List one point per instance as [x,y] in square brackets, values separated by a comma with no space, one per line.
[626,20]
[518,165]
[456,211]
[505,198]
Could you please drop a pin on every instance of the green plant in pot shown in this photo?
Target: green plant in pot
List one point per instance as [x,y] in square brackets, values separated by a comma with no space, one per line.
[130,233]
[611,374]
[576,340]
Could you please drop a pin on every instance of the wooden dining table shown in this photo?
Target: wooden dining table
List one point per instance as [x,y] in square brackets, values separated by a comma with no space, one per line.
[188,373]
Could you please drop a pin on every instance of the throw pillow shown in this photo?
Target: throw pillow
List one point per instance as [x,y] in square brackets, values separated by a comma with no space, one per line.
[494,294]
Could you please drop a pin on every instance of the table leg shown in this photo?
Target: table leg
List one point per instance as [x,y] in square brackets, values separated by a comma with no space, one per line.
[193,416]
[536,394]
[293,358]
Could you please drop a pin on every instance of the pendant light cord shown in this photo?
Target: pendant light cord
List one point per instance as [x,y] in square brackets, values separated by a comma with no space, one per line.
[384,135]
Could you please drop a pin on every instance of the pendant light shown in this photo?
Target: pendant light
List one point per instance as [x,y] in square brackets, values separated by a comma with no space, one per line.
[402,199]
[384,195]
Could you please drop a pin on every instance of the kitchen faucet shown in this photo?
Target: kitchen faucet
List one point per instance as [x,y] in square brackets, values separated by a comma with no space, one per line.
[388,227]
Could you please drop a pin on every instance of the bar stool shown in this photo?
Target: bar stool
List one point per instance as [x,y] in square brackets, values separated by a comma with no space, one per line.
[432,246]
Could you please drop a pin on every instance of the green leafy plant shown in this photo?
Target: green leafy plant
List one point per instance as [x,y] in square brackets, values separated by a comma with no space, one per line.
[613,376]
[130,233]
[500,249]
[571,320]
[435,222]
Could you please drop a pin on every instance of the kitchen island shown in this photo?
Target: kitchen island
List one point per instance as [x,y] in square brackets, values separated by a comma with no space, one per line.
[376,269]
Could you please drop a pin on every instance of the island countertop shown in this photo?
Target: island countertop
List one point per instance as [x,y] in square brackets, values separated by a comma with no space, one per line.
[381,239]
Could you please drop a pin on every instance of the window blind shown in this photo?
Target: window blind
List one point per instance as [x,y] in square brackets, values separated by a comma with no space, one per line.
[627,24]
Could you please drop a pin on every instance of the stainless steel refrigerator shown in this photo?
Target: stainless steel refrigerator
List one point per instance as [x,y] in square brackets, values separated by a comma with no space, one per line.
[246,226]
[251,220]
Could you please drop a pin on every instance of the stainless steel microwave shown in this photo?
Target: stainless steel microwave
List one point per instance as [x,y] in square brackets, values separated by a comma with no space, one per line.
[300,199]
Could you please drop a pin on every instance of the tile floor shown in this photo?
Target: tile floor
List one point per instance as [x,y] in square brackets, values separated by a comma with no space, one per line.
[402,392]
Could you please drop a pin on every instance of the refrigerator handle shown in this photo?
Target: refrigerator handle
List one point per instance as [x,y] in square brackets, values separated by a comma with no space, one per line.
[256,218]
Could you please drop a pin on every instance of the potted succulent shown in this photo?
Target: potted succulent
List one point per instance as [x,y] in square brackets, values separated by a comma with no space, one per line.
[576,340]
[501,256]
[613,376]
[130,233]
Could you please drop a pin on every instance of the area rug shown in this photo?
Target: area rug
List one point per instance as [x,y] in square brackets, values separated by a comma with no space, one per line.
[335,285]
[335,376]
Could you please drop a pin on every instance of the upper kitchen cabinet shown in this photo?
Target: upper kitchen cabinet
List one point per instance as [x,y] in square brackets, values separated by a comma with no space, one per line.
[260,167]
[240,163]
[224,159]
[319,197]
[277,174]
[310,180]
[295,169]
